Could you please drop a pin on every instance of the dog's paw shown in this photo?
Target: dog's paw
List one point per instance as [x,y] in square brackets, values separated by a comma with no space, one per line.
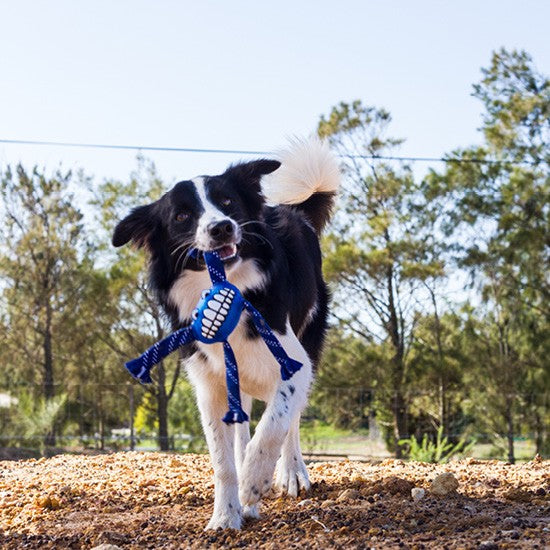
[251,512]
[292,476]
[256,476]
[231,519]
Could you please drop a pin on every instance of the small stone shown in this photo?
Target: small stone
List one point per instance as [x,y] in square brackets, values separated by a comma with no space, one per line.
[417,493]
[49,503]
[349,494]
[305,502]
[328,503]
[444,484]
[106,547]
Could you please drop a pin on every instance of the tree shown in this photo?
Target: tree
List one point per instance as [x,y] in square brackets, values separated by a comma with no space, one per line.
[373,255]
[347,380]
[138,320]
[500,223]
[43,246]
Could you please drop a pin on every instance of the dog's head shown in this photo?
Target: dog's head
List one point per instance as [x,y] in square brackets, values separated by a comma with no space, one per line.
[205,213]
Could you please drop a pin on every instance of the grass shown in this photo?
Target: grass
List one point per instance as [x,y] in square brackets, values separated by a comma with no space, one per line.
[318,437]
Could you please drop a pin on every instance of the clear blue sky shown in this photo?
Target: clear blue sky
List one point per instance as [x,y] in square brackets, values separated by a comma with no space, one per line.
[243,75]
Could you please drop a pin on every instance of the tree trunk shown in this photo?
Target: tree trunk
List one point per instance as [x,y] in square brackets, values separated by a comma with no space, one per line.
[510,433]
[400,427]
[396,337]
[49,388]
[162,409]
[132,414]
[101,415]
[443,406]
[440,367]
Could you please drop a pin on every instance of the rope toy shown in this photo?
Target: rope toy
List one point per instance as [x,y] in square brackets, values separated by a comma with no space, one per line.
[214,319]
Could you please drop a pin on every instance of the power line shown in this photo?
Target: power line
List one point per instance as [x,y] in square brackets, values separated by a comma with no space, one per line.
[132,147]
[249,152]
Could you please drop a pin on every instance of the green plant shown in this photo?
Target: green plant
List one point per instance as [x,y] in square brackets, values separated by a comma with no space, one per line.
[35,418]
[440,450]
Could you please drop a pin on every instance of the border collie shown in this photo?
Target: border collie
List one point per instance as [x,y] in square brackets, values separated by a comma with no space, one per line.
[264,218]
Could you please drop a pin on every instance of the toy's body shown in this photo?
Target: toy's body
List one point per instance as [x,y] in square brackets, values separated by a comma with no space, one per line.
[214,319]
[217,313]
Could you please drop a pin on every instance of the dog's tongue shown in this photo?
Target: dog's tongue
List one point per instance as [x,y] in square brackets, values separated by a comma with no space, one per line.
[227,251]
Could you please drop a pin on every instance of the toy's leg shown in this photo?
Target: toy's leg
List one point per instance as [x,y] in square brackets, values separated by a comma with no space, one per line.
[242,437]
[283,409]
[212,401]
[291,472]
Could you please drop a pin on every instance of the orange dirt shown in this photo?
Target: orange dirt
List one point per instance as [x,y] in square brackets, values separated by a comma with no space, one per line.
[155,500]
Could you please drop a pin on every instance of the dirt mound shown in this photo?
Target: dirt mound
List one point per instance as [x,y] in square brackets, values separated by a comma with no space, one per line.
[154,500]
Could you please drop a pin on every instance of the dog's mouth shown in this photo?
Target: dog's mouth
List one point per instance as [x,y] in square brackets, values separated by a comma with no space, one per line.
[228,252]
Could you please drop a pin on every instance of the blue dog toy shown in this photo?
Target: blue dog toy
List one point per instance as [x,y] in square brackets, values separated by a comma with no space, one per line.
[214,319]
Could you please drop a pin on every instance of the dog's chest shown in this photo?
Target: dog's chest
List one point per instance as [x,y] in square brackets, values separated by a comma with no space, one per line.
[257,367]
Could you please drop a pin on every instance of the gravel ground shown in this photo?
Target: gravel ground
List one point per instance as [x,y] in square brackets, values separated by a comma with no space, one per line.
[154,500]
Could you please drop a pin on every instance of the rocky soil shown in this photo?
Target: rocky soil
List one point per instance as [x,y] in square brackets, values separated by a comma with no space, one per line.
[154,500]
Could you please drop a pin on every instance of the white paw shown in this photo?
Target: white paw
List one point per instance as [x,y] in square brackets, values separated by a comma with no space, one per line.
[257,475]
[230,519]
[251,512]
[292,476]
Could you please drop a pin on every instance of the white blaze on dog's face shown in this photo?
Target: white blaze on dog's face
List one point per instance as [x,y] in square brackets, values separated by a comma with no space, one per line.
[215,229]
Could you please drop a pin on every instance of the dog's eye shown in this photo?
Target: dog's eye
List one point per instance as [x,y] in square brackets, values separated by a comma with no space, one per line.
[182,216]
[226,201]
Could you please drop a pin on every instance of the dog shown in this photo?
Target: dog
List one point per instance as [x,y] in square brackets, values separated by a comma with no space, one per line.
[264,219]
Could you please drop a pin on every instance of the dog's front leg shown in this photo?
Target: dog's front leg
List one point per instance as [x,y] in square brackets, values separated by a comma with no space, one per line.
[284,407]
[292,474]
[212,402]
[242,438]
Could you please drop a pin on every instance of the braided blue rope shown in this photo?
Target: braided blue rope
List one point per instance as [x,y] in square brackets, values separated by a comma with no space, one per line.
[216,316]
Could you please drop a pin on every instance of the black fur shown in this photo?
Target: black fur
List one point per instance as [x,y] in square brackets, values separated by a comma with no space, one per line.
[283,241]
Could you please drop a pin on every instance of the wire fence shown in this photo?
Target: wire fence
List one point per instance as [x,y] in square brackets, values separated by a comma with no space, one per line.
[113,417]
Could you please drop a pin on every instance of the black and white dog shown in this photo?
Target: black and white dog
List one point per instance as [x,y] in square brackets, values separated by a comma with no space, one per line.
[264,218]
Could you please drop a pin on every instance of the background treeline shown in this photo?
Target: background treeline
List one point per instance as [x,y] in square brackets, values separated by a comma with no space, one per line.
[440,282]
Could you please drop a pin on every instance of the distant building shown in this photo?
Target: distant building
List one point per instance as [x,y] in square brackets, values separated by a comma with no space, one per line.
[6,400]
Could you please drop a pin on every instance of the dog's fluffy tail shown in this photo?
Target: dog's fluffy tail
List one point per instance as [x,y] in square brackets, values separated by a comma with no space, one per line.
[308,179]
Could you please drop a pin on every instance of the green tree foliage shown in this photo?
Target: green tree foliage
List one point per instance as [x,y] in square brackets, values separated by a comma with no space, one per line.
[42,250]
[136,321]
[376,255]
[499,223]
[409,349]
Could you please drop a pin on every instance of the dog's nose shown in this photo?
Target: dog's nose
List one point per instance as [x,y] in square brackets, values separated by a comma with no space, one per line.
[221,230]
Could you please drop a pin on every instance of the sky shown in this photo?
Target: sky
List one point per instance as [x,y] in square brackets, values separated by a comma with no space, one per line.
[242,74]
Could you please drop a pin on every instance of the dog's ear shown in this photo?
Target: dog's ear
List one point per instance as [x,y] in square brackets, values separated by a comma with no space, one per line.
[252,172]
[137,226]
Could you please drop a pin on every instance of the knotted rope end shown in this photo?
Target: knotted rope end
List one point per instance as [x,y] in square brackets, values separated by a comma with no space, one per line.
[139,371]
[232,417]
[289,368]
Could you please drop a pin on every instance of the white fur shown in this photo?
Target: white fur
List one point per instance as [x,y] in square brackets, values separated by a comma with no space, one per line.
[243,473]
[307,167]
[210,215]
[291,472]
[243,468]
